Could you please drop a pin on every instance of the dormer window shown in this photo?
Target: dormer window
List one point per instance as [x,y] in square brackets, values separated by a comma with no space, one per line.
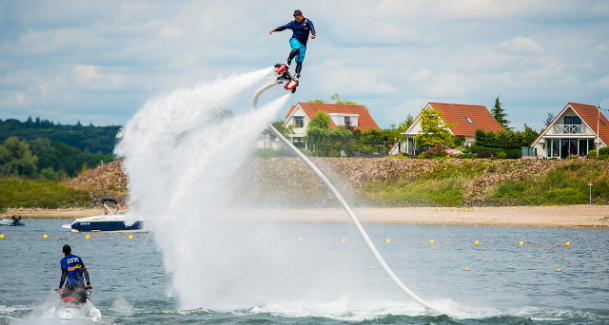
[469,120]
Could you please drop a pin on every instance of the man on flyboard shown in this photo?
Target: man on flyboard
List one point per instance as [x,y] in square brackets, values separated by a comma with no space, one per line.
[301,27]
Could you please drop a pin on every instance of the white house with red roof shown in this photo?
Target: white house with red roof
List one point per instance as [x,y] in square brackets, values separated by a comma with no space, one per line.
[577,129]
[301,114]
[466,119]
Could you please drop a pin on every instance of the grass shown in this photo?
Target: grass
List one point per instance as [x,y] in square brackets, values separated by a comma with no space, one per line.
[30,193]
[450,184]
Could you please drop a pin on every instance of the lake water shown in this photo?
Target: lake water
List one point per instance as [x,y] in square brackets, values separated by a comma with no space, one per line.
[506,283]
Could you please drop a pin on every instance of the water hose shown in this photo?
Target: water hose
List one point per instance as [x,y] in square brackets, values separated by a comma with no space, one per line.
[342,201]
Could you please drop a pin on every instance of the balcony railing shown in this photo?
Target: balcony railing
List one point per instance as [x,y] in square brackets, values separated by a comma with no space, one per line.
[569,129]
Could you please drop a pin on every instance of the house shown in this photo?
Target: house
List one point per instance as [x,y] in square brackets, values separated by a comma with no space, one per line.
[467,119]
[300,115]
[577,129]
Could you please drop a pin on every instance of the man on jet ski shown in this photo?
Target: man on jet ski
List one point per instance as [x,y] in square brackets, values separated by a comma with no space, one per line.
[16,220]
[73,274]
[301,27]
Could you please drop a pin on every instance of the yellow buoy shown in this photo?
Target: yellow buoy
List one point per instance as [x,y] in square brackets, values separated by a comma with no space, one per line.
[387,240]
[45,237]
[558,270]
[508,226]
[431,241]
[521,243]
[343,240]
[58,218]
[1,236]
[475,225]
[476,243]
[88,237]
[130,237]
[568,244]
[299,239]
[466,269]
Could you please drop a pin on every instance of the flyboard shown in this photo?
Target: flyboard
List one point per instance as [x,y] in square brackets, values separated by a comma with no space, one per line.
[291,85]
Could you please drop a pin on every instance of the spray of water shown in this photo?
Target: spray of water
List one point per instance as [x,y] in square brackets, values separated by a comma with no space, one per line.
[181,154]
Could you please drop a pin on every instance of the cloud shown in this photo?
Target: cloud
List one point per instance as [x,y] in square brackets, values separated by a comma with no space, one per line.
[521,44]
[604,81]
[170,32]
[448,85]
[601,48]
[84,72]
[421,75]
[349,80]
[13,99]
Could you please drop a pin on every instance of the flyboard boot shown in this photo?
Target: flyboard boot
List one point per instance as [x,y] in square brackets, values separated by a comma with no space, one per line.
[283,72]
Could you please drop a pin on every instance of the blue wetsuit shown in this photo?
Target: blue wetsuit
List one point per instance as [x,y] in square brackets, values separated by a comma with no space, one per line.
[298,42]
[74,274]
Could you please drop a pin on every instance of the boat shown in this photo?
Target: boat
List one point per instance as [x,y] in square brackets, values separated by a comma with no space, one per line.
[69,309]
[14,221]
[108,222]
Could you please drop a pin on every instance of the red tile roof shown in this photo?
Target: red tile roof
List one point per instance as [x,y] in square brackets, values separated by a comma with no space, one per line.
[479,115]
[365,121]
[590,115]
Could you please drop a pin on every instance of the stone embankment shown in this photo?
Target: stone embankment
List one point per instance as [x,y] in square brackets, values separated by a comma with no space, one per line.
[288,182]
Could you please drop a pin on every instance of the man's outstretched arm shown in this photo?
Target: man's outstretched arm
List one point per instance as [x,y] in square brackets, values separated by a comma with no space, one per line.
[278,29]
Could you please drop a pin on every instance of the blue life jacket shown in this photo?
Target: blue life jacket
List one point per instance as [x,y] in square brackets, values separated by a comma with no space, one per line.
[75,268]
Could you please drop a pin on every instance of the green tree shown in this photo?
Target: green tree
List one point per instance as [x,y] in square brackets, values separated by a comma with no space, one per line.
[320,120]
[433,130]
[500,114]
[16,158]
[336,100]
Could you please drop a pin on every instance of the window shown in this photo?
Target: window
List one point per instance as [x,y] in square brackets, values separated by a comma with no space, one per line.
[568,119]
[347,120]
[469,120]
[556,148]
[577,120]
[298,121]
[583,147]
[564,148]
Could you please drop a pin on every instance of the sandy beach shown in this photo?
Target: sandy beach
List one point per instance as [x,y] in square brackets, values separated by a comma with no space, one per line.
[547,216]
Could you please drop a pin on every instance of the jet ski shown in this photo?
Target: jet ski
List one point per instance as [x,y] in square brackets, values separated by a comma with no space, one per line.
[14,221]
[108,222]
[68,308]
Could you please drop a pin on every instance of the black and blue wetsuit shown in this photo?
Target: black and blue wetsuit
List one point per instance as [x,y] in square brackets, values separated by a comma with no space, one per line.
[298,42]
[75,272]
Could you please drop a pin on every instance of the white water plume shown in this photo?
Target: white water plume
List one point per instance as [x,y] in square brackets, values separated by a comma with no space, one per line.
[181,155]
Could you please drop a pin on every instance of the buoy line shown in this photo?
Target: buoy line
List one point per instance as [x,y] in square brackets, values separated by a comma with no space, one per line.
[343,203]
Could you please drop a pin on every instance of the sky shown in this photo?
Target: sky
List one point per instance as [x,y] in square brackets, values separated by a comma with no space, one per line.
[100,61]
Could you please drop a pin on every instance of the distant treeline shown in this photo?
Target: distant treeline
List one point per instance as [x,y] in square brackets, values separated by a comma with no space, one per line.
[43,158]
[88,139]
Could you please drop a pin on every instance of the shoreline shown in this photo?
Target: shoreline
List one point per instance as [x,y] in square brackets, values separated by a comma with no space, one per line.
[589,216]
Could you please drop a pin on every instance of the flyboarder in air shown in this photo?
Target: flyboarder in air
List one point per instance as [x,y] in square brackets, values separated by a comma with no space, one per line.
[301,27]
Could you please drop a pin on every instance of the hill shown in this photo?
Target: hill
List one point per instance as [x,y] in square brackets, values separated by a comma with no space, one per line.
[89,139]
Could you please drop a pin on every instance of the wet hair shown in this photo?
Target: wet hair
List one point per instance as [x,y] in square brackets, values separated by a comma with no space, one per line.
[297,12]
[67,249]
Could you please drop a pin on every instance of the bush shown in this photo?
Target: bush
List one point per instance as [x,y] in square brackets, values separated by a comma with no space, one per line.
[486,154]
[603,157]
[511,153]
[591,154]
[603,151]
[439,150]
[502,155]
[571,157]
